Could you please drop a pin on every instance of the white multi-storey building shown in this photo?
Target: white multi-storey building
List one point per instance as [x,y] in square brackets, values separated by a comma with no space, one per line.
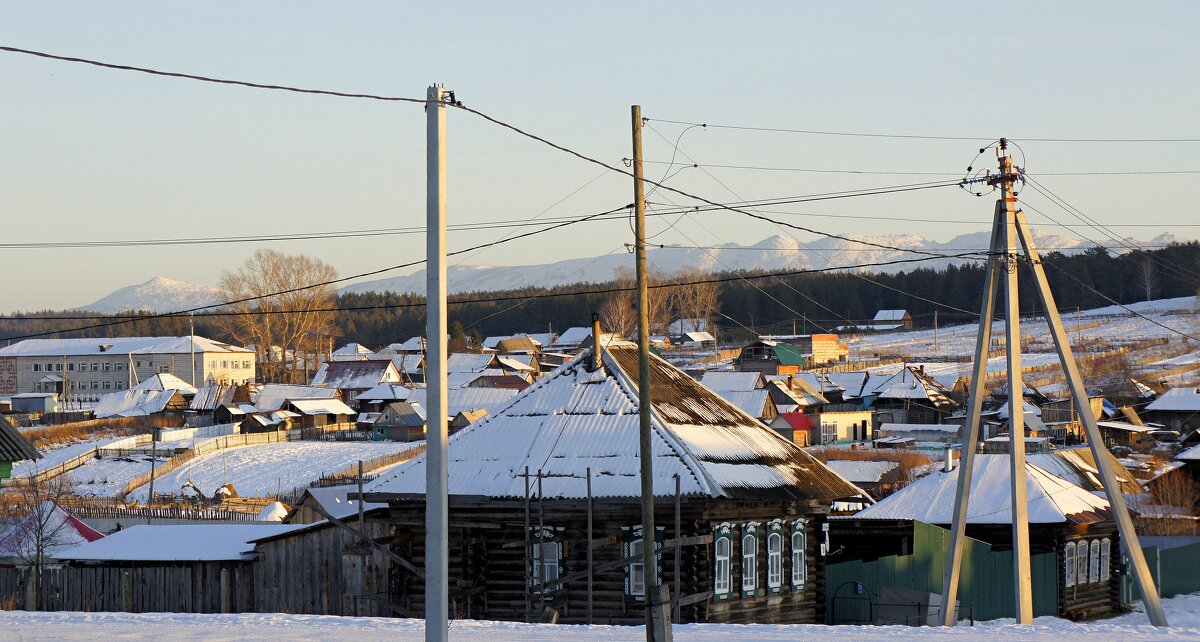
[88,368]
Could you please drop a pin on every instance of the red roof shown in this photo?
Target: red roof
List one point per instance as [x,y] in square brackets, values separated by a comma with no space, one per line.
[797,420]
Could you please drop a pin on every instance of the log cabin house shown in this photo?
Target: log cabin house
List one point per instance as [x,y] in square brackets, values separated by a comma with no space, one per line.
[545,516]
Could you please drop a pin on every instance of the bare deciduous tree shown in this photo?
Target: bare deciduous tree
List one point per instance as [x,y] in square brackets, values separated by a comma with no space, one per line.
[658,310]
[40,528]
[1147,276]
[697,301]
[282,316]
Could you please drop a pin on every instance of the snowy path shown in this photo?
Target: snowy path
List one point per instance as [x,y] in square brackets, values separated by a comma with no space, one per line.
[264,469]
[1184,612]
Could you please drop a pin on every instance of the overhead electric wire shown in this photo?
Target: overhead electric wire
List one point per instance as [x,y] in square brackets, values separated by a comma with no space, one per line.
[864,172]
[116,320]
[1122,306]
[818,132]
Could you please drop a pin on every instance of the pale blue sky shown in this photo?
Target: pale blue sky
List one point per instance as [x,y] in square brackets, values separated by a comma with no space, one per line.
[94,154]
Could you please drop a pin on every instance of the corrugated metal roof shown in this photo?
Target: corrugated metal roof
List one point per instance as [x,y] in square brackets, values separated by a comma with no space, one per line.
[321,407]
[272,395]
[165,381]
[1051,500]
[13,446]
[133,403]
[356,375]
[719,381]
[573,419]
[114,346]
[211,397]
[910,383]
[466,362]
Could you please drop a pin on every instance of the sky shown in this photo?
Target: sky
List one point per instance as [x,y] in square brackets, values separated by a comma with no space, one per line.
[94,154]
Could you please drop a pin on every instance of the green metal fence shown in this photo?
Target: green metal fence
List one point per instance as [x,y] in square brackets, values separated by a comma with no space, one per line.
[986,584]
[1176,570]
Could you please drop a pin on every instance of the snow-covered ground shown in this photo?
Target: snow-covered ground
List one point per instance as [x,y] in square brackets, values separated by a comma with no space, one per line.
[106,477]
[52,458]
[1183,613]
[267,468]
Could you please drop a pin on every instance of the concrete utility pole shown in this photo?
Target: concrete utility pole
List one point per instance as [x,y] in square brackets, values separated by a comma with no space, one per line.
[1008,228]
[437,510]
[192,338]
[658,602]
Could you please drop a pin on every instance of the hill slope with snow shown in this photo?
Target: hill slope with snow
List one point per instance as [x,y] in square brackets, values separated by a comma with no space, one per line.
[159,294]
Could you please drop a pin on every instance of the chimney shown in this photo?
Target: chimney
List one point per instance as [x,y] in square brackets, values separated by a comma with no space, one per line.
[596,362]
[789,381]
[921,369]
[948,465]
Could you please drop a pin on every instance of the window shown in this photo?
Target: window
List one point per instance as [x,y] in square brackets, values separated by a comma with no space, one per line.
[799,554]
[722,570]
[1081,561]
[120,365]
[1069,564]
[95,385]
[545,558]
[58,367]
[107,367]
[635,570]
[1105,559]
[96,367]
[750,534]
[774,562]
[49,367]
[71,367]
[108,385]
[83,367]
[1094,562]
[164,368]
[224,364]
[37,367]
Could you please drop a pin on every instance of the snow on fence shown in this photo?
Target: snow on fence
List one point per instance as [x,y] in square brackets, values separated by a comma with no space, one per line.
[47,474]
[349,474]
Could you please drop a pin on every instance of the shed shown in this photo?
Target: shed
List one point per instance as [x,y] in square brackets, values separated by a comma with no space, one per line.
[35,402]
[320,412]
[892,320]
[400,421]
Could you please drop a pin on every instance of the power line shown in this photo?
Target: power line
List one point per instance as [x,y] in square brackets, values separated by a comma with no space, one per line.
[488,299]
[1122,306]
[209,79]
[764,168]
[818,132]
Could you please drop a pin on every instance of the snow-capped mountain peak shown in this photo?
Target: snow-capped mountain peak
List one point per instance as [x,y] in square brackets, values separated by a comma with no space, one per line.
[160,294]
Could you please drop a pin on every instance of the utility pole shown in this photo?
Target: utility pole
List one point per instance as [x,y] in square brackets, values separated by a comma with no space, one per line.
[935,333]
[192,336]
[658,624]
[1009,227]
[437,509]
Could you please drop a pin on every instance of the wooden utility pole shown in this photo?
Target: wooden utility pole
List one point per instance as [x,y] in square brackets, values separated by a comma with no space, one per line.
[658,627]
[1009,228]
[437,511]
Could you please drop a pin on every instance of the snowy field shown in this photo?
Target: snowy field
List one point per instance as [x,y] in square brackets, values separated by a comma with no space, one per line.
[268,468]
[106,477]
[1183,612]
[52,458]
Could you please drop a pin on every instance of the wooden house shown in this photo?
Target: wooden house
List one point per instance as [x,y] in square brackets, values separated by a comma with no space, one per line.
[892,320]
[1176,409]
[315,413]
[1066,520]
[353,377]
[771,357]
[910,397]
[400,421]
[545,516]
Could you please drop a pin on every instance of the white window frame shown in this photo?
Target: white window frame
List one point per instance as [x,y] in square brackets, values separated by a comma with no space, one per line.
[775,560]
[749,563]
[545,559]
[1081,562]
[723,565]
[1105,559]
[1069,571]
[637,570]
[1094,561]
[800,558]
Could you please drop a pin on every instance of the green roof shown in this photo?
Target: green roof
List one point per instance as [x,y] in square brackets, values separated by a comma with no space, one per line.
[789,356]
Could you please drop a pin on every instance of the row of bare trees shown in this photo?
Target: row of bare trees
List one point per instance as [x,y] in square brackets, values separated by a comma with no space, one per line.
[288,323]
[678,296]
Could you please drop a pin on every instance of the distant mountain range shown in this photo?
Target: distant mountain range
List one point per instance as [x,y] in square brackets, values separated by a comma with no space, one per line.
[161,294]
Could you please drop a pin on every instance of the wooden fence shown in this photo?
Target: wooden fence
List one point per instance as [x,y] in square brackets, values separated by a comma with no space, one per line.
[196,587]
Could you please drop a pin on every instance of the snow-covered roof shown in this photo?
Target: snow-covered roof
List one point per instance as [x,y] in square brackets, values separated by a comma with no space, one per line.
[336,500]
[1051,500]
[133,403]
[573,419]
[890,315]
[467,362]
[893,428]
[1029,409]
[698,337]
[385,392]
[1191,454]
[272,395]
[352,351]
[1077,466]
[1127,427]
[210,397]
[356,375]
[273,512]
[321,407]
[112,346]
[751,402]
[861,472]
[165,381]
[13,445]
[51,526]
[177,543]
[460,399]
[412,345]
[509,363]
[1172,400]
[730,381]
[910,383]
[572,337]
